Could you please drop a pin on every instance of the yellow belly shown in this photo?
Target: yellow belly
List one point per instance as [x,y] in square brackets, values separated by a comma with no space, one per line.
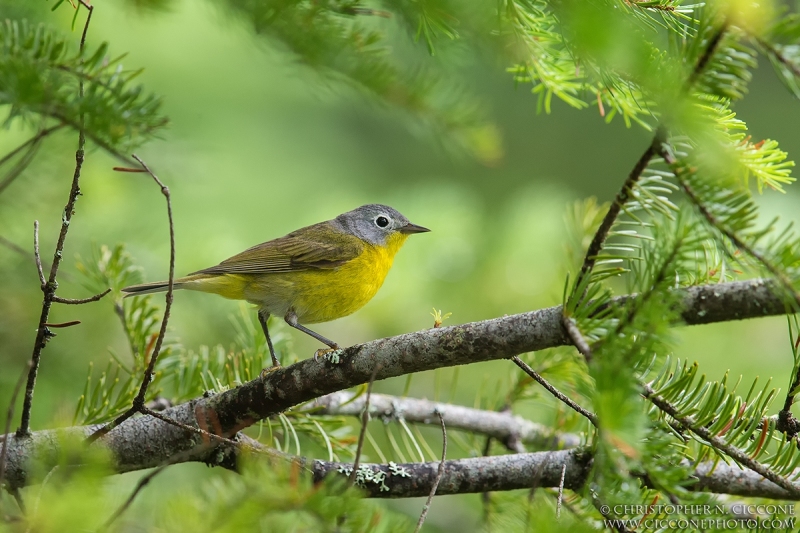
[314,295]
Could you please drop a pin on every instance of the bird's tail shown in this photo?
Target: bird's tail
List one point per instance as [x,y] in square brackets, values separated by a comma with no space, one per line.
[150,288]
[224,285]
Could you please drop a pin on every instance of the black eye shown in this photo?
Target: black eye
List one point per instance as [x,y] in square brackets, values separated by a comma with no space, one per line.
[382,222]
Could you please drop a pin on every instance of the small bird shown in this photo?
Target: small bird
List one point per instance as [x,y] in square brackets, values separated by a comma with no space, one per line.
[315,274]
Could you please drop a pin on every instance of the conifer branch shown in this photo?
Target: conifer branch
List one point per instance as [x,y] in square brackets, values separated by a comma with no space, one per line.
[731,451]
[43,333]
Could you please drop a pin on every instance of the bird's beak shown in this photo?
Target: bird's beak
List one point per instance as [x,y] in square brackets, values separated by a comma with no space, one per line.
[413,228]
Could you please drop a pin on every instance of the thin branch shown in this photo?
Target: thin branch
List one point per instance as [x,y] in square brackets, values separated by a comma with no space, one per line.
[508,429]
[439,474]
[791,65]
[577,337]
[177,458]
[708,53]
[9,417]
[21,165]
[207,435]
[555,392]
[620,200]
[787,423]
[89,7]
[32,145]
[729,450]
[36,256]
[486,497]
[36,138]
[78,301]
[139,400]
[62,324]
[364,421]
[139,486]
[30,255]
[605,511]
[14,247]
[43,334]
[600,236]
[734,238]
[561,491]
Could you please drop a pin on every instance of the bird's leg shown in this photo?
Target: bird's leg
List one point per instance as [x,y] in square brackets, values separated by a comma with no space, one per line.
[262,318]
[291,319]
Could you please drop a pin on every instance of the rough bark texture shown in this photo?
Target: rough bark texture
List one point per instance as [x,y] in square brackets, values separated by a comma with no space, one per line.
[144,442]
[478,474]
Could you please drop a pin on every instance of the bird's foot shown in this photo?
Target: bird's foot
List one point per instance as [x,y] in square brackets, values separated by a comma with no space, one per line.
[329,354]
[268,370]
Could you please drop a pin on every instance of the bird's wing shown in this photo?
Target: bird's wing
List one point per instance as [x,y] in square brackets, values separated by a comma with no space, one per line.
[316,247]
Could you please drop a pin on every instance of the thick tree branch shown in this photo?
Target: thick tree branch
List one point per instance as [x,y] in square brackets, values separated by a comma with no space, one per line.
[503,426]
[144,442]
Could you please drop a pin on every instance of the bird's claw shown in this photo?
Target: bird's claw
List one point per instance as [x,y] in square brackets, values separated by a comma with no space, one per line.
[329,354]
[266,371]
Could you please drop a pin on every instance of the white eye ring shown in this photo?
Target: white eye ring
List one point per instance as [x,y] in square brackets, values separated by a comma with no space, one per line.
[382,221]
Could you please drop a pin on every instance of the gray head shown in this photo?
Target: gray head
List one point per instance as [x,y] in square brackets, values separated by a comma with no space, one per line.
[375,223]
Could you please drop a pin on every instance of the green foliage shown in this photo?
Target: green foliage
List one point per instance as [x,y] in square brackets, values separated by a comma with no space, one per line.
[113,391]
[39,76]
[689,218]
[348,42]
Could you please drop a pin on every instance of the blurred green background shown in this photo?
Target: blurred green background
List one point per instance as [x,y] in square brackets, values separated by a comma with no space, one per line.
[259,146]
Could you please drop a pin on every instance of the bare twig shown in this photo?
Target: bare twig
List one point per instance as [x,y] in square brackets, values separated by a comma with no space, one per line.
[561,490]
[32,146]
[439,474]
[9,416]
[605,511]
[364,421]
[89,7]
[36,138]
[577,338]
[486,497]
[30,255]
[14,247]
[613,211]
[63,324]
[43,334]
[207,435]
[708,53]
[78,301]
[177,458]
[785,61]
[554,391]
[18,498]
[139,400]
[36,256]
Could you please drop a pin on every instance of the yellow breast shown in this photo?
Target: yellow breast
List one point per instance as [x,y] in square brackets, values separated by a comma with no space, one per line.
[323,295]
[317,295]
